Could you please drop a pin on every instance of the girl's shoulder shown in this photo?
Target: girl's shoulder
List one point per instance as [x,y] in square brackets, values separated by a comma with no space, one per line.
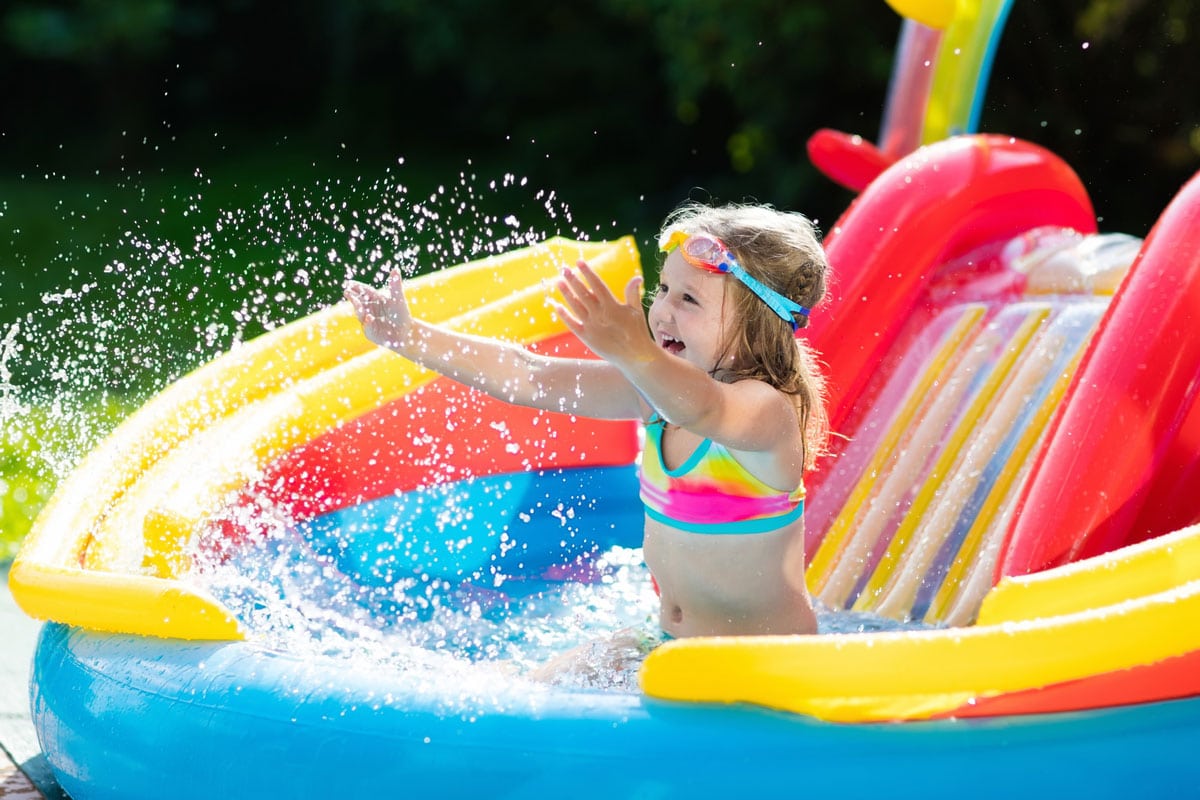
[759,418]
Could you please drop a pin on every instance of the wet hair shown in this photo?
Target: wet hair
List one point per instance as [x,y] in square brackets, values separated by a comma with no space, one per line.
[782,250]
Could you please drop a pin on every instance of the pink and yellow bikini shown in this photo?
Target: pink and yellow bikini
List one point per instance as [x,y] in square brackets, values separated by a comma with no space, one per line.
[711,492]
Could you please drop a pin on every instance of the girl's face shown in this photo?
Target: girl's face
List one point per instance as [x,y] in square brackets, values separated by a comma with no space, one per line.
[688,314]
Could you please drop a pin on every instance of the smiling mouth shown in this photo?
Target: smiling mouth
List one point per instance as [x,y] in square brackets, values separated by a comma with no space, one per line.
[673,346]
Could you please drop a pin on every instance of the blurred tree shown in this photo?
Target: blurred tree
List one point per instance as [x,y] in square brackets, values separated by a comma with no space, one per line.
[604,99]
[760,76]
[89,30]
[1109,86]
[90,55]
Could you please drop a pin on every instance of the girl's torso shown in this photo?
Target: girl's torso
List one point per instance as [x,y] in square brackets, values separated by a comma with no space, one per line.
[726,550]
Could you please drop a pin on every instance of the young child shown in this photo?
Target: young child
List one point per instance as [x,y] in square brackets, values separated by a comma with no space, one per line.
[731,401]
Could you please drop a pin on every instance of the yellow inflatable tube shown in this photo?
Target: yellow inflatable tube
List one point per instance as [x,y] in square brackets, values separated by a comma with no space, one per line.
[931,13]
[106,552]
[1130,608]
[1139,570]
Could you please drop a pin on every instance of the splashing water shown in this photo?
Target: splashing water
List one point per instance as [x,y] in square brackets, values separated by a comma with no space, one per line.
[601,608]
[156,300]
[153,305]
[93,330]
[296,600]
[8,349]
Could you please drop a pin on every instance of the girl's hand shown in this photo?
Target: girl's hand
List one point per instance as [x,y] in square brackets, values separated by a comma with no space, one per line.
[383,313]
[612,329]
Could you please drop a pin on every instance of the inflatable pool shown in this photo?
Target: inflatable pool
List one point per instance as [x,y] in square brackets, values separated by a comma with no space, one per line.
[978,361]
[1017,483]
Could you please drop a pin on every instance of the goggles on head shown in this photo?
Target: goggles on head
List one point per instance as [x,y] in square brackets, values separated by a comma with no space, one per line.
[710,253]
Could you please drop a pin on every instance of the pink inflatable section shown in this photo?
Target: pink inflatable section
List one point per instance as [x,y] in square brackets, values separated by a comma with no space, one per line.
[1123,459]
[925,211]
[1121,462]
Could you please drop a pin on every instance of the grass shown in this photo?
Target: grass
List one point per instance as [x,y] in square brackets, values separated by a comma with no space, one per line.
[38,444]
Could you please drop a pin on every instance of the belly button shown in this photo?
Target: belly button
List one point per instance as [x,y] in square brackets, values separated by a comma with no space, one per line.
[676,614]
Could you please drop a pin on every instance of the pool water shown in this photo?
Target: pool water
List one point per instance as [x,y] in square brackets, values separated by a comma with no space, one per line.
[294,599]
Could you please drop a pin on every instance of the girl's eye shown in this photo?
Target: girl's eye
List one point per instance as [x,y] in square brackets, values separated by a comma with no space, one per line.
[662,290]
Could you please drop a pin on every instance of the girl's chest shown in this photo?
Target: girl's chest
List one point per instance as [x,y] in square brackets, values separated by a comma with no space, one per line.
[678,446]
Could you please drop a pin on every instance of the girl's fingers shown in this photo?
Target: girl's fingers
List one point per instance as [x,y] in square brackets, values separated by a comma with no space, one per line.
[573,324]
[586,270]
[577,286]
[594,282]
[357,294]
[585,295]
[395,282]
[576,296]
[588,286]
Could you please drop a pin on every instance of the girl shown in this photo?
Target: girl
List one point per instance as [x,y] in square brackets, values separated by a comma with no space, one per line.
[730,398]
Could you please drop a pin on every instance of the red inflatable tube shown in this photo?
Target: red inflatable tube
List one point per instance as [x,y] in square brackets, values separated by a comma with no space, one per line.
[444,429]
[930,207]
[1123,459]
[1168,679]
[848,160]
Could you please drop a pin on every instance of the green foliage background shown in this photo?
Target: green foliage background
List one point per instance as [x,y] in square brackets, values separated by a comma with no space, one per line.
[144,120]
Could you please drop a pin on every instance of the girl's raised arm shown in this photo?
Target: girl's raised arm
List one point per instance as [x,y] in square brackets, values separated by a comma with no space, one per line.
[504,370]
[745,415]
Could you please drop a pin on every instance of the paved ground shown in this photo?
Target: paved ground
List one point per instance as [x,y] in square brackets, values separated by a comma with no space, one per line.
[24,774]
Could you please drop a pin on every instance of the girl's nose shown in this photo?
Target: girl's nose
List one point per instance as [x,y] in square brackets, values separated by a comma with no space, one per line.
[658,308]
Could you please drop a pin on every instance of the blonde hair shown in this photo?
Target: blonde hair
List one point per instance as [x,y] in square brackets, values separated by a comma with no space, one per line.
[782,250]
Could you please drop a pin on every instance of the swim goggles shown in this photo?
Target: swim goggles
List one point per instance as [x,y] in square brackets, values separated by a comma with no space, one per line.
[710,253]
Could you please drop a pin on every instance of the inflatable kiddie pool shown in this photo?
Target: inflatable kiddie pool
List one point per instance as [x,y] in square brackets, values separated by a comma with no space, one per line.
[1018,474]
[145,682]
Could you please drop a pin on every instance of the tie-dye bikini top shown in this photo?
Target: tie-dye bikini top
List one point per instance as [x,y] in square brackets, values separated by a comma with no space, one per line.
[711,492]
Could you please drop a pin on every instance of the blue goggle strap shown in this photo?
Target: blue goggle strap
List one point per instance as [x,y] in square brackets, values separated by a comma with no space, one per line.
[784,307]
